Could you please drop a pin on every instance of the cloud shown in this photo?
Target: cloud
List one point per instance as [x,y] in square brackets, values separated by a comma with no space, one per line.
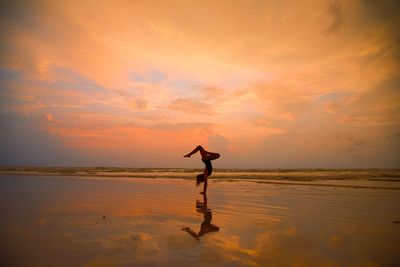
[24,141]
[218,143]
[174,127]
[383,15]
[379,105]
[211,94]
[353,144]
[335,11]
[283,101]
[191,106]
[230,75]
[381,11]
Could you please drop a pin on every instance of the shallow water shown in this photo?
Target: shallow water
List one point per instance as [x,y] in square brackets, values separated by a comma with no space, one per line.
[97,221]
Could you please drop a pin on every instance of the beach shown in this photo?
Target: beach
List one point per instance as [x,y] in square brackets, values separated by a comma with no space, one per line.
[158,218]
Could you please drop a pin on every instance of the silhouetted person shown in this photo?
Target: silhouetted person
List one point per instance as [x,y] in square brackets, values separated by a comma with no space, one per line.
[206,226]
[206,157]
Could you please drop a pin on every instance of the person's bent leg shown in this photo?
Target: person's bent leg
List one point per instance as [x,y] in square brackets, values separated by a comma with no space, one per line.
[213,156]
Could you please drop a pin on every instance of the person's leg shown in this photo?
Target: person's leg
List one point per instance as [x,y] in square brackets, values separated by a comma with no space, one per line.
[212,155]
[198,148]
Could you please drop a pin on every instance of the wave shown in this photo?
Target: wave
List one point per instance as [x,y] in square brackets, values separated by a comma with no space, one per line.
[303,175]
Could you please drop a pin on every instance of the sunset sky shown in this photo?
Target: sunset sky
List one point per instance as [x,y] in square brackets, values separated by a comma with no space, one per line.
[268,84]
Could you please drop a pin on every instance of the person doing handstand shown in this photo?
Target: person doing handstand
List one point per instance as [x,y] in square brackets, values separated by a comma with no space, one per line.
[206,157]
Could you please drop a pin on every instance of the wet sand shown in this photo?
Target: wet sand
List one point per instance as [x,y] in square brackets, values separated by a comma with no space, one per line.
[100,221]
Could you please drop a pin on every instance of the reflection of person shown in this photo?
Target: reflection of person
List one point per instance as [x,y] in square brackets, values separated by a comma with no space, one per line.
[206,226]
[206,157]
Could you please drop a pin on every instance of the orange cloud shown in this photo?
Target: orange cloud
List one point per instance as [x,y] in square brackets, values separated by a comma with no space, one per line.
[250,71]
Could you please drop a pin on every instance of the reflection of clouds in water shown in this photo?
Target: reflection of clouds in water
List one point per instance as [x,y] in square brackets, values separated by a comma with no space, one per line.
[288,246]
[230,249]
[272,226]
[137,246]
[124,240]
[41,222]
[179,241]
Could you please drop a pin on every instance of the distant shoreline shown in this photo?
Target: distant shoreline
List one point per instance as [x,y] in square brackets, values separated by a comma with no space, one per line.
[10,168]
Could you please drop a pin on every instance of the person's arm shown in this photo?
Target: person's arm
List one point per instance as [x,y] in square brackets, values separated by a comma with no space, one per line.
[205,182]
[205,185]
[198,148]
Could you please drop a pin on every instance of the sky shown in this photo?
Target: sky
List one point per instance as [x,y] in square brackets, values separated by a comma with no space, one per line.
[267,84]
